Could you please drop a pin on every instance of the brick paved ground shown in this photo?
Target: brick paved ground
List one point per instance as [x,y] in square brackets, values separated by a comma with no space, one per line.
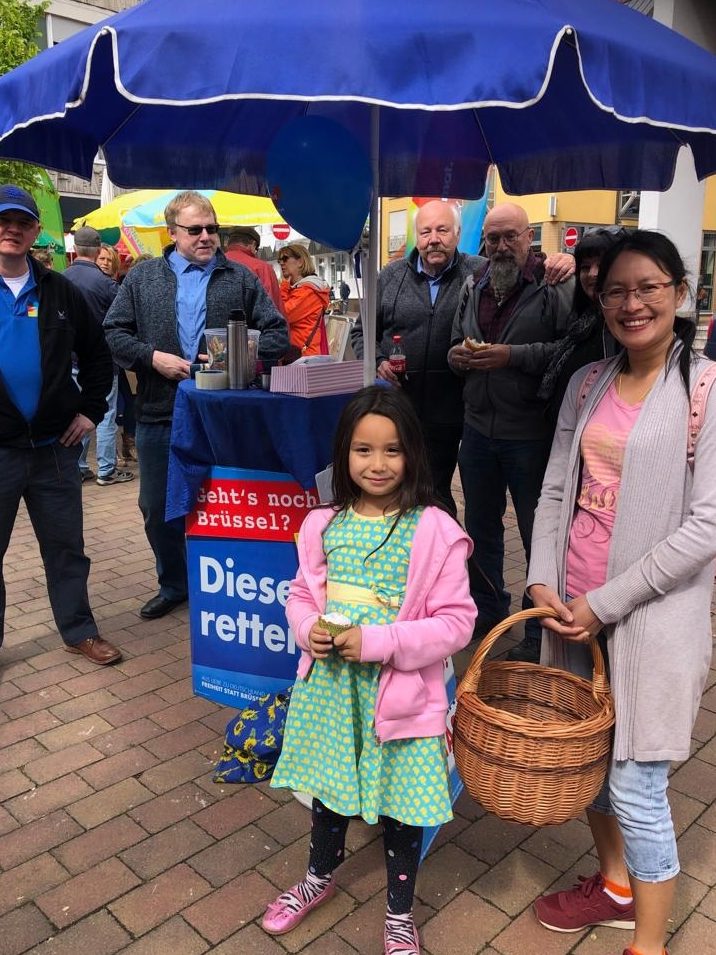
[114,839]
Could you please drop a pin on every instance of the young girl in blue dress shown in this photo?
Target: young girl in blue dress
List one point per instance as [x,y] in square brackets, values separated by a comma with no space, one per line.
[365,733]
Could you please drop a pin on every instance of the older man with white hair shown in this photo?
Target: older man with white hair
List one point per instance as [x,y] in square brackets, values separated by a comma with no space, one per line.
[417,299]
[156,327]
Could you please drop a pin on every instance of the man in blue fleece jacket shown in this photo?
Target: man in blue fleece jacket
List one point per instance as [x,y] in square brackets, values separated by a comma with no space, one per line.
[44,416]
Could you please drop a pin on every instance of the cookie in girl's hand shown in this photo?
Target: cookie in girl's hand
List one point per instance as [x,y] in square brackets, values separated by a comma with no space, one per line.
[334,623]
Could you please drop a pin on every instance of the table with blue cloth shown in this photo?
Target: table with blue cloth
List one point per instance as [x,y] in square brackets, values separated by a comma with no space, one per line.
[241,465]
[252,429]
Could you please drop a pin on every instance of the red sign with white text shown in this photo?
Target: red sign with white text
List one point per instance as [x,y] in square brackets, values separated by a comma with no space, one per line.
[249,505]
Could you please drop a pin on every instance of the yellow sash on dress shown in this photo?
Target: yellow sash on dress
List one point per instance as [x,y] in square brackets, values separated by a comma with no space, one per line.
[366,596]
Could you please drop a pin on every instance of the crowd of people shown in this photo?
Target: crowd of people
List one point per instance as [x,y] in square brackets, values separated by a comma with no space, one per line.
[574,394]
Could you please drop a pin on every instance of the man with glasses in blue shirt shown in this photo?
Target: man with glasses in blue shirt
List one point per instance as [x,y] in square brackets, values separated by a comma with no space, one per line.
[512,319]
[155,327]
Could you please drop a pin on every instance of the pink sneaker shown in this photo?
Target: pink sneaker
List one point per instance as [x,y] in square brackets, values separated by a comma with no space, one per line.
[583,905]
[291,908]
[400,936]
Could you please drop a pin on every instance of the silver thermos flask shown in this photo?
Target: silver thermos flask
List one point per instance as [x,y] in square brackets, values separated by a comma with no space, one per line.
[238,349]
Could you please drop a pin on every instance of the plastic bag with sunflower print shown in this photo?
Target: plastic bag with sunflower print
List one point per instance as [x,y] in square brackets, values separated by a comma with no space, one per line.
[253,740]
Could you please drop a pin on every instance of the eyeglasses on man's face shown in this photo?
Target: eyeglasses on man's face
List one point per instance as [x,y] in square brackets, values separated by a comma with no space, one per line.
[211,228]
[650,294]
[509,238]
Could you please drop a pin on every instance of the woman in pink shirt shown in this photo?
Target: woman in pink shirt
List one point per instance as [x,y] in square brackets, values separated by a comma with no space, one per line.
[623,548]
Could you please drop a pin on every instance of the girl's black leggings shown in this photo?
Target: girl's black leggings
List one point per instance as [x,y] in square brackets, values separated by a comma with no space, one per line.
[401,843]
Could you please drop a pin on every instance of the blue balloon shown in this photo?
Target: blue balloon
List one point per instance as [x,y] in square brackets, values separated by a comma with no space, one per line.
[320,181]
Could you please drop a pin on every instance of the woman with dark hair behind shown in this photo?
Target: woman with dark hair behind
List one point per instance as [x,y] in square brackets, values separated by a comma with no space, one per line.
[623,549]
[587,338]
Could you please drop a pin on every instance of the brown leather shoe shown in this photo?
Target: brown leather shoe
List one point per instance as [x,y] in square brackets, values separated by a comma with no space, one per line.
[97,650]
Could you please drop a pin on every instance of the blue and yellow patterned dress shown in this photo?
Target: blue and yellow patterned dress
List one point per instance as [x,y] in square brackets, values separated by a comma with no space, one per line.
[330,749]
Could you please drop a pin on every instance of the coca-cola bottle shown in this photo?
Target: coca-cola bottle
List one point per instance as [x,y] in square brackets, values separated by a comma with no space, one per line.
[397,361]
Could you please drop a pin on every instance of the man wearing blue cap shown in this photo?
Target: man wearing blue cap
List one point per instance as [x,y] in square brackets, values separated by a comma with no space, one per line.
[44,417]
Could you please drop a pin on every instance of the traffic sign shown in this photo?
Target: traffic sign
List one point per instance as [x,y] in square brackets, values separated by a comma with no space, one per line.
[571,237]
[281,230]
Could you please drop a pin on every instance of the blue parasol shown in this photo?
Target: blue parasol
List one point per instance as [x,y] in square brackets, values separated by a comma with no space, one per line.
[557,94]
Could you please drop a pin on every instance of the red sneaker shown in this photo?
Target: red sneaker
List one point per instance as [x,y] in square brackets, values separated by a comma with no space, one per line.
[630,951]
[583,905]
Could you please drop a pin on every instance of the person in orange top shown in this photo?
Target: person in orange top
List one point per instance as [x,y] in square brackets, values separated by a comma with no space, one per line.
[305,298]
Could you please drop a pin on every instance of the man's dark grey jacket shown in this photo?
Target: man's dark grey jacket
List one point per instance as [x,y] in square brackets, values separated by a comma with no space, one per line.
[143,320]
[404,308]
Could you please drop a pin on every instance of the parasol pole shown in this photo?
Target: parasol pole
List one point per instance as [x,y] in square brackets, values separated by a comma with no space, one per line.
[108,190]
[370,263]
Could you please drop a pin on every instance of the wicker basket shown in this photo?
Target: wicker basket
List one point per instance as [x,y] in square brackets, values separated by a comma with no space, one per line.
[532,743]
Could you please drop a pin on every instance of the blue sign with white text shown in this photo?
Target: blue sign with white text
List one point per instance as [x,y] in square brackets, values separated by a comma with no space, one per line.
[241,645]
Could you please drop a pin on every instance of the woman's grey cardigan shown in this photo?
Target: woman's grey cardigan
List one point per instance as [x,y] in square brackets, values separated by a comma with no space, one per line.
[660,575]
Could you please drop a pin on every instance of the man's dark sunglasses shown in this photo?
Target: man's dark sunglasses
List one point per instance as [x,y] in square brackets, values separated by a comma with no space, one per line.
[211,229]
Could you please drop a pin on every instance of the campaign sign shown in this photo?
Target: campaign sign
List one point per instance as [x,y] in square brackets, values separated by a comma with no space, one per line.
[241,557]
[249,505]
[456,783]
[241,645]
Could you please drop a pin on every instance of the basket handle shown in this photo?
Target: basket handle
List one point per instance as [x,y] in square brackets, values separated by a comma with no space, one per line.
[471,679]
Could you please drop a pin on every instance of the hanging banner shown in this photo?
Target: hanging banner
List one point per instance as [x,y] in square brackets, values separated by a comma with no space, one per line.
[241,556]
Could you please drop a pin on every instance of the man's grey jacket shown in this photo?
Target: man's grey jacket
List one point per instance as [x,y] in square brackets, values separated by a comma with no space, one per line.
[503,403]
[404,308]
[143,320]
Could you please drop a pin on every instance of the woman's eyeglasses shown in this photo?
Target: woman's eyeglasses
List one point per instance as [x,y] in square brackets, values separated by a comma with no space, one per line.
[284,258]
[646,294]
[211,229]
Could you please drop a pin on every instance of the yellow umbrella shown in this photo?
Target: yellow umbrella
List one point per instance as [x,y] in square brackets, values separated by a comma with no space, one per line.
[110,216]
[144,209]
[142,241]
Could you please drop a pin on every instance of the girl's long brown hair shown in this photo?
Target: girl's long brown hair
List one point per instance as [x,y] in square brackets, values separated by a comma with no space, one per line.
[416,489]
